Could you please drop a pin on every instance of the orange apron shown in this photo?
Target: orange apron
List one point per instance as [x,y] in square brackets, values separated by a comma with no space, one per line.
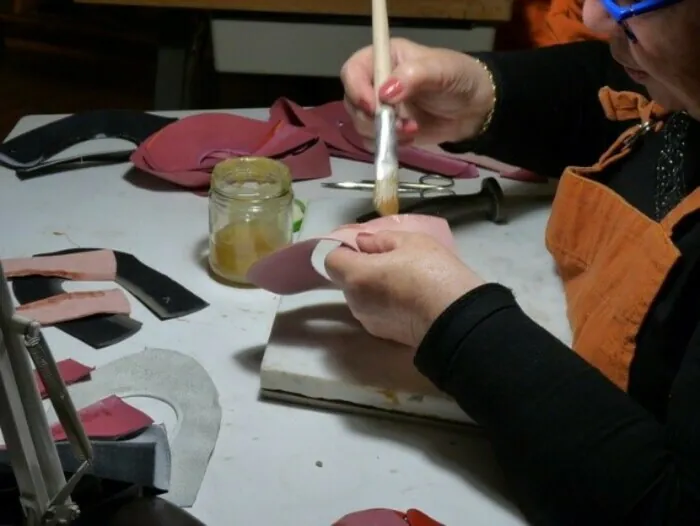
[612,258]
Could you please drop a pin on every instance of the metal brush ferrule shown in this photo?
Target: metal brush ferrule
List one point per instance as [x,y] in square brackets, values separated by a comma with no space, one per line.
[385,154]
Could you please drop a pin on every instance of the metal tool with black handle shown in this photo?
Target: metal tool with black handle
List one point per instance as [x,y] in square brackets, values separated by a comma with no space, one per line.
[45,495]
[488,202]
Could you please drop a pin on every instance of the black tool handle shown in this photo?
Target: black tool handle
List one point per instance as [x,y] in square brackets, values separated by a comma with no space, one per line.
[487,201]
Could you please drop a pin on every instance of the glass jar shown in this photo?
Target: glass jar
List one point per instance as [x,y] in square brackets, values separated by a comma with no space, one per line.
[250,214]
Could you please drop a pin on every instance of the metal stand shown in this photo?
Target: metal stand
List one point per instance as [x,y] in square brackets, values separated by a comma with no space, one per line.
[44,492]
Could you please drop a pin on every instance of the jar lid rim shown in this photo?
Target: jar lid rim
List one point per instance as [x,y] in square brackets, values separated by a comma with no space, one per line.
[259,170]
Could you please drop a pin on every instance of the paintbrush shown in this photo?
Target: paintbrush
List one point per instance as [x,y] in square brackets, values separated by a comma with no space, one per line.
[386,163]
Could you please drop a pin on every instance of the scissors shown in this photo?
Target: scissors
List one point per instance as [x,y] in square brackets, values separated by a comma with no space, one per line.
[428,185]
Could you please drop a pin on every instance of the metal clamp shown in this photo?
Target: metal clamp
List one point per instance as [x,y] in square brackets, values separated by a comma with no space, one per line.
[44,491]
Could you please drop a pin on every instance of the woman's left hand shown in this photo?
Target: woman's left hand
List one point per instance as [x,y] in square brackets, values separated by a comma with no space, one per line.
[399,283]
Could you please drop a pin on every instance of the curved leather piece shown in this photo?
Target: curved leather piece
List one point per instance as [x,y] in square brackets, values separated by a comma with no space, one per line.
[290,270]
[99,331]
[163,296]
[39,144]
[160,294]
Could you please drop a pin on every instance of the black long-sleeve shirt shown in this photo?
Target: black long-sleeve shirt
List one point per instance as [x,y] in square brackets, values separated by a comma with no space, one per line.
[576,449]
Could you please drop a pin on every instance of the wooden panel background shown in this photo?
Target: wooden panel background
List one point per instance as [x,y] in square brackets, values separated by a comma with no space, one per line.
[476,10]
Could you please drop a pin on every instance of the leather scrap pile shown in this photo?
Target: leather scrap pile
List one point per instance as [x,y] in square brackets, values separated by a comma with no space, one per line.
[184,151]
[98,318]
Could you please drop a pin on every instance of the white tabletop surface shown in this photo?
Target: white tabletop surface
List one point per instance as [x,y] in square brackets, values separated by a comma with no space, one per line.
[273,464]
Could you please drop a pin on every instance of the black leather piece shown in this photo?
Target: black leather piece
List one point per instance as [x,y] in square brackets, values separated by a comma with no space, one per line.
[35,146]
[162,295]
[73,163]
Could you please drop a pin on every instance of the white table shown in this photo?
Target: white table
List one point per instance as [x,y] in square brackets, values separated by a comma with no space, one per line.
[273,464]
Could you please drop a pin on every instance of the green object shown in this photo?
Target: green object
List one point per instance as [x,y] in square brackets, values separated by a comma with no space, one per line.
[298,214]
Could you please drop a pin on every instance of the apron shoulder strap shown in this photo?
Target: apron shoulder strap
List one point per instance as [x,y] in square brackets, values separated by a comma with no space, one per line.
[622,106]
[627,105]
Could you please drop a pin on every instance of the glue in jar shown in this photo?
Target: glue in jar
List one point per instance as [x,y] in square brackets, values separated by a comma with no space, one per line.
[250,214]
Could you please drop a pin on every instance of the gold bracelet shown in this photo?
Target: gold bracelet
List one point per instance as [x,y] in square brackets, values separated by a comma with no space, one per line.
[489,116]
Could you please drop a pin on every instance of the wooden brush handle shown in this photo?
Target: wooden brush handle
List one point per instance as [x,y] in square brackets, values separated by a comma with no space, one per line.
[380,43]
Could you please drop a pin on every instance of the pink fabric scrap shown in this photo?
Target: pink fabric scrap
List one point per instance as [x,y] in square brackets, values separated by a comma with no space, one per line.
[186,151]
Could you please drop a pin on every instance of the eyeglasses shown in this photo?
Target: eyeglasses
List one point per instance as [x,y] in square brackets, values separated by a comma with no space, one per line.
[622,13]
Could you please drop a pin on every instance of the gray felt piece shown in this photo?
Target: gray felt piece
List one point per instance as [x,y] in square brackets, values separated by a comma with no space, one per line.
[179,381]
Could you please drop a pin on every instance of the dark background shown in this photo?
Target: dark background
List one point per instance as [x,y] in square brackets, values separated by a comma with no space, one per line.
[62,57]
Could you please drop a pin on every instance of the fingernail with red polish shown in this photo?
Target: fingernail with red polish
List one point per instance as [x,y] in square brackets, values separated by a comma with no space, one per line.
[391,89]
[408,126]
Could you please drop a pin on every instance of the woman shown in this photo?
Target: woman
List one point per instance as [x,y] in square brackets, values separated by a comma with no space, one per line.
[606,433]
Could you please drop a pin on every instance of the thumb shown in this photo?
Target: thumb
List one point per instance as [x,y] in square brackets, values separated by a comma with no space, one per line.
[379,242]
[344,261]
[340,262]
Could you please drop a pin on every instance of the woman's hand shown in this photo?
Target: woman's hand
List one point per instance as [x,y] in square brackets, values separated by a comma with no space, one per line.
[399,283]
[440,95]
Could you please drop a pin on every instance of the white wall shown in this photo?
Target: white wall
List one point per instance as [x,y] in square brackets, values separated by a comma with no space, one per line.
[245,46]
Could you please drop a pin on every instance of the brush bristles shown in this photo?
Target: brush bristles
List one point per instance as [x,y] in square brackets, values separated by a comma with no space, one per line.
[386,194]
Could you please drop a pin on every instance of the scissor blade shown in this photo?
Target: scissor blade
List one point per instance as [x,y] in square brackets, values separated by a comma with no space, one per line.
[413,187]
[350,185]
[361,185]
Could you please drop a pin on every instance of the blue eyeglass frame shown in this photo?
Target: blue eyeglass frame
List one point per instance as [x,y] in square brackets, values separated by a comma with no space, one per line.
[621,14]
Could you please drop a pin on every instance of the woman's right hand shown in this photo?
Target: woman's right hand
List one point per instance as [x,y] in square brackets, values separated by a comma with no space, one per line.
[440,95]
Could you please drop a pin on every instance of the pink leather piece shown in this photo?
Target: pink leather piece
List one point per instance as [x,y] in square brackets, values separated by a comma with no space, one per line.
[290,271]
[95,265]
[332,122]
[373,517]
[524,176]
[386,517]
[507,171]
[70,371]
[75,305]
[321,122]
[416,517]
[186,151]
[109,419]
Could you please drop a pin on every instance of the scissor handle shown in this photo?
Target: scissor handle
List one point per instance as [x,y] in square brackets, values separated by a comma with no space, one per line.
[436,191]
[437,180]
